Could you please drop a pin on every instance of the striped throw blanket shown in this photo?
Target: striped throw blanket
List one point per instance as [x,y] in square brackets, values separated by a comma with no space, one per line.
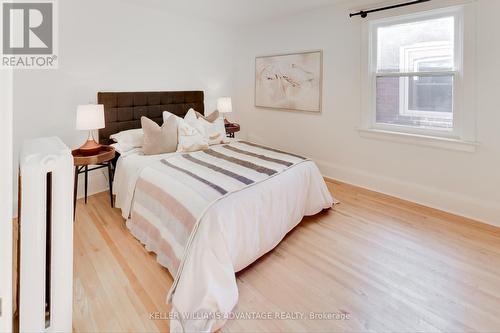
[172,195]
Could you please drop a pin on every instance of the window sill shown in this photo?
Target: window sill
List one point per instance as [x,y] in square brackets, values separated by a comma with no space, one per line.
[420,140]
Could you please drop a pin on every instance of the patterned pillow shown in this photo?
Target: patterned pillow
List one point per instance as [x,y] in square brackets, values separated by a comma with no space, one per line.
[190,138]
[212,126]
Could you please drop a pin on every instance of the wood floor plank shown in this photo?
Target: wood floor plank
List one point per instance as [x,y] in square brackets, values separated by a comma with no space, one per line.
[392,265]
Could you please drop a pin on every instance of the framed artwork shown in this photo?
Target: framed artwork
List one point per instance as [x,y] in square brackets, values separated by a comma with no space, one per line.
[289,81]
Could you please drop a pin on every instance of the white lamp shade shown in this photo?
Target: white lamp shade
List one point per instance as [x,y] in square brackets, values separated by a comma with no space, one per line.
[224,105]
[90,117]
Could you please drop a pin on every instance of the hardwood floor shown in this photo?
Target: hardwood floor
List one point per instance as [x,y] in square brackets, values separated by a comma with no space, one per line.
[391,265]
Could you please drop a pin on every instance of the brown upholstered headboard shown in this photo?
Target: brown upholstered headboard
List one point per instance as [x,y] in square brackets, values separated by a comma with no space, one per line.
[123,110]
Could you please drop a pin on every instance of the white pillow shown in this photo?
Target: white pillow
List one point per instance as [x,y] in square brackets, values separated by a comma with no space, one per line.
[213,132]
[190,138]
[129,139]
[218,126]
[125,151]
[218,130]
[196,133]
[190,116]
[167,115]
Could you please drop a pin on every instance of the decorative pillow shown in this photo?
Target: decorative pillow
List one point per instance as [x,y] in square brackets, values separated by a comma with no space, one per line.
[190,116]
[130,139]
[167,115]
[218,129]
[190,138]
[159,140]
[212,127]
[210,118]
[212,132]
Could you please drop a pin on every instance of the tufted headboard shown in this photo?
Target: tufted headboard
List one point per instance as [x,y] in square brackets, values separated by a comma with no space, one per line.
[123,110]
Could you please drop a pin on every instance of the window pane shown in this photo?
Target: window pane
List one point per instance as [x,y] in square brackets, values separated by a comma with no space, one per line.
[417,101]
[417,46]
[433,94]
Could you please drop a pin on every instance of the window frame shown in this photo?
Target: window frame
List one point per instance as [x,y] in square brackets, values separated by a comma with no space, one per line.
[404,99]
[457,131]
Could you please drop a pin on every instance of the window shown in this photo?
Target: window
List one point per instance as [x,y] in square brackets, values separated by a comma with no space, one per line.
[416,73]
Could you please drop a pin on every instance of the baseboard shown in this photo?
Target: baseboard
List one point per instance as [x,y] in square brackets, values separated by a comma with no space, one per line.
[472,208]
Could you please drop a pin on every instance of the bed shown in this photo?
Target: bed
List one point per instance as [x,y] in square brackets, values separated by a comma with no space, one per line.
[206,214]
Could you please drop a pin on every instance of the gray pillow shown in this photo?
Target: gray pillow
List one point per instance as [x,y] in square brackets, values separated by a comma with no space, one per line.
[159,140]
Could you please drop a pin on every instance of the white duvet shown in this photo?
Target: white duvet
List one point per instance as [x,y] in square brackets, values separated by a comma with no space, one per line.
[233,233]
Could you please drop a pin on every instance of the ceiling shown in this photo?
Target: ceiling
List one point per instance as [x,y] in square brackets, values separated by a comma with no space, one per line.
[238,12]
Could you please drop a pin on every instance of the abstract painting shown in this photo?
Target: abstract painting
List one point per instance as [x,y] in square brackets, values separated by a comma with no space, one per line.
[289,81]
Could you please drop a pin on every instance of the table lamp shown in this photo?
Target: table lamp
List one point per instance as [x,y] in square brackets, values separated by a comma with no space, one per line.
[225,105]
[89,118]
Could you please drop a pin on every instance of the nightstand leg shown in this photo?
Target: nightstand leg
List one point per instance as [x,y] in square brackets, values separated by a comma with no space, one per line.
[110,177]
[75,191]
[86,182]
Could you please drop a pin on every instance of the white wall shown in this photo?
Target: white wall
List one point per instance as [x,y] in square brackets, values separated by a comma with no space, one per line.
[467,184]
[117,45]
[6,200]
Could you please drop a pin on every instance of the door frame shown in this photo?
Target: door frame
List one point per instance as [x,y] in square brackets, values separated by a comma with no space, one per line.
[6,193]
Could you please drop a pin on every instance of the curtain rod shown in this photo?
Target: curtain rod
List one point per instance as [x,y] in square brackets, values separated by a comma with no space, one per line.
[364,13]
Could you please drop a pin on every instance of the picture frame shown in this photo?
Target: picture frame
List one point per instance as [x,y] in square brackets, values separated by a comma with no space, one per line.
[290,81]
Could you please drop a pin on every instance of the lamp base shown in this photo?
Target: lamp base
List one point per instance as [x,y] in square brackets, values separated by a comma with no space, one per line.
[90,148]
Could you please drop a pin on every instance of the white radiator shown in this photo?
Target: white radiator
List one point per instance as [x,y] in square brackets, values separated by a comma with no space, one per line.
[46,239]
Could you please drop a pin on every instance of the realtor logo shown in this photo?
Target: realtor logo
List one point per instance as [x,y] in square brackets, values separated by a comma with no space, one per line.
[28,35]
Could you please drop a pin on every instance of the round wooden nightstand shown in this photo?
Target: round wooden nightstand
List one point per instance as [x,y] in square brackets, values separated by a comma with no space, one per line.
[103,159]
[232,128]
